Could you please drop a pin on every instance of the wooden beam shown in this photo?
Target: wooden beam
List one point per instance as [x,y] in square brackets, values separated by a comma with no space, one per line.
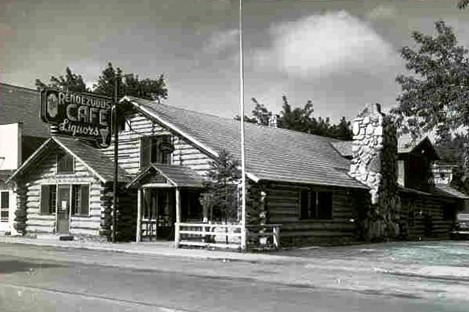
[178,218]
[138,236]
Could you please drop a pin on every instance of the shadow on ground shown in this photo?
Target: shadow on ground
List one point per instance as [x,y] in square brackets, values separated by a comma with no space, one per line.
[13,266]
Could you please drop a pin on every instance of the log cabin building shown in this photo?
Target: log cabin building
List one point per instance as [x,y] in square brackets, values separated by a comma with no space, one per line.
[317,189]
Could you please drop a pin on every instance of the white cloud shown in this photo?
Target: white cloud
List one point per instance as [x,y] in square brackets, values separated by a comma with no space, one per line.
[382,12]
[222,41]
[321,45]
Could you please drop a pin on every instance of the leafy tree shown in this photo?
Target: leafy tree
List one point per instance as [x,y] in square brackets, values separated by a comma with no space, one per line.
[300,119]
[261,115]
[129,84]
[462,4]
[69,82]
[220,200]
[436,96]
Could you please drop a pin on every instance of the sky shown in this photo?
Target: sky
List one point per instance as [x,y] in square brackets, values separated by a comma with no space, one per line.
[341,54]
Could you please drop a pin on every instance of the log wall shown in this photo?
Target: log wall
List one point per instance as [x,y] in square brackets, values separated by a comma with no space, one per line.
[423,216]
[46,173]
[283,207]
[185,154]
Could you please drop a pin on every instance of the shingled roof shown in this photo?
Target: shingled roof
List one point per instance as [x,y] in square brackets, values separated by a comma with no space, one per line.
[272,154]
[18,104]
[94,159]
[178,176]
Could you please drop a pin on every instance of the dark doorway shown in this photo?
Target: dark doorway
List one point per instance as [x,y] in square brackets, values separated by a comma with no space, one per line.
[158,214]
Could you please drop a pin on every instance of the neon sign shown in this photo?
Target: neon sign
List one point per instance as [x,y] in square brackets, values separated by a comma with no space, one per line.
[78,114]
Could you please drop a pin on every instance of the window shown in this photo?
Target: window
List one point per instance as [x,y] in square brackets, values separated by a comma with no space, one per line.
[80,200]
[449,212]
[315,205]
[64,163]
[48,199]
[5,205]
[156,149]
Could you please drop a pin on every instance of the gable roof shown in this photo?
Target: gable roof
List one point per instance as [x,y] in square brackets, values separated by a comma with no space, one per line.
[176,175]
[94,159]
[18,104]
[449,191]
[272,154]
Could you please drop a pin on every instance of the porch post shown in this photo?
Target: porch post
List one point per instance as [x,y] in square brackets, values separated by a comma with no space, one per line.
[178,218]
[138,235]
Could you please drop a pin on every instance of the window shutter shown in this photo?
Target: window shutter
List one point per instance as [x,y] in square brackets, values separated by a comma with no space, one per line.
[45,199]
[85,195]
[145,151]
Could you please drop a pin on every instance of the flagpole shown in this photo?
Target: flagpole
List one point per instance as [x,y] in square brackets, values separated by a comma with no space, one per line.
[241,109]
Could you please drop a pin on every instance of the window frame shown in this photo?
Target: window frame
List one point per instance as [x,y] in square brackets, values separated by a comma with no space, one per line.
[2,207]
[73,203]
[51,211]
[149,150]
[311,210]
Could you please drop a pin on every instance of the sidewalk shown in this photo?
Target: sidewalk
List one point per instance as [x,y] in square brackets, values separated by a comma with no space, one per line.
[149,248]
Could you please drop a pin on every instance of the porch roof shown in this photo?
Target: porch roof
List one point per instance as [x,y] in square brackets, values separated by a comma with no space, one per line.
[177,176]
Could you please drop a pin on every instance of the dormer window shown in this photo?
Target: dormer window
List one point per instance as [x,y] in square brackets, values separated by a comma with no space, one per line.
[65,163]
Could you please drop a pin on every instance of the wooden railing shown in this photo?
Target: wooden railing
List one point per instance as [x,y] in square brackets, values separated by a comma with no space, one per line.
[227,236]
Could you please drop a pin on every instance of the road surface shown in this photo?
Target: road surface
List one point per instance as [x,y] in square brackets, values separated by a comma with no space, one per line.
[56,279]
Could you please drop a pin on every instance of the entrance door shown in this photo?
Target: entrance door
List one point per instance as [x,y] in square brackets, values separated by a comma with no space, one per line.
[158,214]
[63,209]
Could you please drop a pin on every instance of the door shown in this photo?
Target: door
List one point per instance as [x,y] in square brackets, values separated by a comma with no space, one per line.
[63,209]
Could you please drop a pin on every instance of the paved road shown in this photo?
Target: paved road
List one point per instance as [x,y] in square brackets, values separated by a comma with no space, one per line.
[51,279]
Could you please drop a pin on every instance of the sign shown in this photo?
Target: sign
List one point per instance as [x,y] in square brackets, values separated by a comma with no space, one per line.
[166,147]
[78,114]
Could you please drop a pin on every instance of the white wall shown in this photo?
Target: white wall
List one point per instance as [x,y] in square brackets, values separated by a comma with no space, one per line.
[10,159]
[10,146]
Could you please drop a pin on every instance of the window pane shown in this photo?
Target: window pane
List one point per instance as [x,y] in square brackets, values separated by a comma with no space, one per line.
[84,200]
[48,199]
[5,199]
[145,151]
[325,205]
[304,204]
[53,198]
[4,210]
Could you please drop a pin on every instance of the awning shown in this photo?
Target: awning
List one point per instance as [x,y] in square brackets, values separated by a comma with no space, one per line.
[177,176]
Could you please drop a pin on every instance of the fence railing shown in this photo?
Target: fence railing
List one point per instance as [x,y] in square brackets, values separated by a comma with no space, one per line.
[227,236]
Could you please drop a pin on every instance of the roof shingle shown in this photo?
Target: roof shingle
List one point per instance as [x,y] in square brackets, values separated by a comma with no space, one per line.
[18,104]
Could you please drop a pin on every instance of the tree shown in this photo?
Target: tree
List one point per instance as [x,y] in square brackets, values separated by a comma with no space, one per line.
[436,96]
[300,119]
[69,82]
[129,84]
[220,200]
[462,4]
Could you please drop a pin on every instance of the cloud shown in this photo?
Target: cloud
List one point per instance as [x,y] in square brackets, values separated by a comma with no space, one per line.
[382,12]
[321,45]
[222,41]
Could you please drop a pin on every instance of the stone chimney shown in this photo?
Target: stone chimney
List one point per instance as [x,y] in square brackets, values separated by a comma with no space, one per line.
[374,163]
[273,121]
